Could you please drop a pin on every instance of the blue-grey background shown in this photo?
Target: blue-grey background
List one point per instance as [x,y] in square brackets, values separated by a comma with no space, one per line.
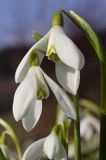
[19,18]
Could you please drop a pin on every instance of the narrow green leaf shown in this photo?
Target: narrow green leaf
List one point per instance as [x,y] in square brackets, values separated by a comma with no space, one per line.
[67,126]
[90,106]
[2,155]
[37,36]
[88,32]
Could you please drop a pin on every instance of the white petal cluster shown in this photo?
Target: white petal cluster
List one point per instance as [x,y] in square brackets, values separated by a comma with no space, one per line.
[49,147]
[71,59]
[27,104]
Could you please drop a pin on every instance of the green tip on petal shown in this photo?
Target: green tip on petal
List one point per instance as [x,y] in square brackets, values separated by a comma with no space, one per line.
[52,50]
[34,59]
[41,93]
[56,129]
[52,55]
[57,19]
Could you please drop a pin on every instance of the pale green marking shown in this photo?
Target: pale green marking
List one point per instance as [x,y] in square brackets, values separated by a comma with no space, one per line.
[51,50]
[34,59]
[52,54]
[41,93]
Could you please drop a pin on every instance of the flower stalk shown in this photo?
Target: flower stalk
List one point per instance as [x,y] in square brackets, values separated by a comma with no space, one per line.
[77,129]
[93,38]
[102,150]
[14,137]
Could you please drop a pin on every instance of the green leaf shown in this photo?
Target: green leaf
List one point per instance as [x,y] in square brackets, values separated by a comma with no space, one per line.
[90,158]
[2,157]
[67,126]
[90,106]
[89,33]
[37,36]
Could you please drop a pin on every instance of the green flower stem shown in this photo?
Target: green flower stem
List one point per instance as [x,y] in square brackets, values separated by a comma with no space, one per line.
[77,129]
[14,137]
[67,126]
[102,150]
[93,38]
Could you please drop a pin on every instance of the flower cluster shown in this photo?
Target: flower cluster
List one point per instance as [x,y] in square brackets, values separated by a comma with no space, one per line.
[49,147]
[34,82]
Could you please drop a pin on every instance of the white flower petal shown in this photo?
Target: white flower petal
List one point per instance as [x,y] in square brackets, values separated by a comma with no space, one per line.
[67,51]
[62,98]
[30,120]
[41,83]
[53,148]
[34,151]
[25,96]
[23,67]
[68,77]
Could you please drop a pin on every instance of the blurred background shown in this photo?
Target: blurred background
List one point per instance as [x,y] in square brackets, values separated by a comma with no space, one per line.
[18,20]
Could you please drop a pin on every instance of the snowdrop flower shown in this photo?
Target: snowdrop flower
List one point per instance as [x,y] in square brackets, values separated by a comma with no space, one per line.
[24,65]
[27,104]
[49,147]
[89,124]
[90,129]
[62,50]
[9,154]
[69,58]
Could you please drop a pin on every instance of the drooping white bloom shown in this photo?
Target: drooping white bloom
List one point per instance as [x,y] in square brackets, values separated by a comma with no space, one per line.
[50,147]
[59,47]
[89,125]
[27,104]
[71,59]
[9,154]
[24,65]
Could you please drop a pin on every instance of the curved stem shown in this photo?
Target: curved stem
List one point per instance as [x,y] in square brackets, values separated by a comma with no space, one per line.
[77,129]
[14,137]
[2,157]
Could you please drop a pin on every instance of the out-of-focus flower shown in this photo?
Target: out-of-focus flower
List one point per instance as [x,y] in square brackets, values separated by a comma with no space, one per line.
[89,128]
[49,147]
